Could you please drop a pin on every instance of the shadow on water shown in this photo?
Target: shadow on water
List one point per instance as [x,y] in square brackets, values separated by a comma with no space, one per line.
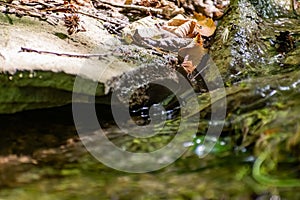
[24,132]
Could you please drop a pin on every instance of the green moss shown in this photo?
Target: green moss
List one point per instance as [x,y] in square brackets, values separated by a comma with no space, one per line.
[40,89]
[61,35]
[59,80]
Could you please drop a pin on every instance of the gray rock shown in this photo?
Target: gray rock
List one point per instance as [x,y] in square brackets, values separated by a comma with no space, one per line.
[31,80]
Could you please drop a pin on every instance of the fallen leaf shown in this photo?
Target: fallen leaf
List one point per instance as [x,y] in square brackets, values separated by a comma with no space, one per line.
[183,27]
[150,3]
[206,26]
[177,20]
[187,29]
[208,7]
[194,53]
[148,32]
[188,65]
[128,2]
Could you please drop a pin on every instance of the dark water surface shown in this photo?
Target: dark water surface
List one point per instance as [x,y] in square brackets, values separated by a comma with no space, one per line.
[43,158]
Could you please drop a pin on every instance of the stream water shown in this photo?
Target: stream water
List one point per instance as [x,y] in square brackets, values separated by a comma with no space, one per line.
[43,158]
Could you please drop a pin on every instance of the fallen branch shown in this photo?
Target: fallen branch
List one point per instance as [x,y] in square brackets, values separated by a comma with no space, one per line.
[29,11]
[44,14]
[104,18]
[24,49]
[134,7]
[160,11]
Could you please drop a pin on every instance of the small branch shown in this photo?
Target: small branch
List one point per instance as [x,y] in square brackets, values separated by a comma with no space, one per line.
[104,18]
[160,11]
[23,49]
[134,7]
[30,11]
[2,56]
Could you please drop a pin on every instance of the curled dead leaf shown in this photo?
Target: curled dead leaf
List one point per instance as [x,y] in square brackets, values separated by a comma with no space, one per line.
[72,23]
[194,53]
[183,27]
[188,65]
[180,26]
[177,20]
[187,29]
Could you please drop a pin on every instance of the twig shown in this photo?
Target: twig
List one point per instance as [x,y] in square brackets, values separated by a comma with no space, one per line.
[93,15]
[104,18]
[159,11]
[31,11]
[2,56]
[134,7]
[24,49]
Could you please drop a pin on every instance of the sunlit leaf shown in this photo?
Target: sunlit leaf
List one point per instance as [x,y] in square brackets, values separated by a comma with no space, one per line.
[128,2]
[193,52]
[177,21]
[186,29]
[199,17]
[188,65]
[183,27]
[206,26]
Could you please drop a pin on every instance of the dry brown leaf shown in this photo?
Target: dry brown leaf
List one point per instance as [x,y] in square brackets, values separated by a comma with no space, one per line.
[208,7]
[218,14]
[177,20]
[188,65]
[198,39]
[187,29]
[206,26]
[191,27]
[195,51]
[150,3]
[128,2]
[182,27]
[171,29]
[199,17]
